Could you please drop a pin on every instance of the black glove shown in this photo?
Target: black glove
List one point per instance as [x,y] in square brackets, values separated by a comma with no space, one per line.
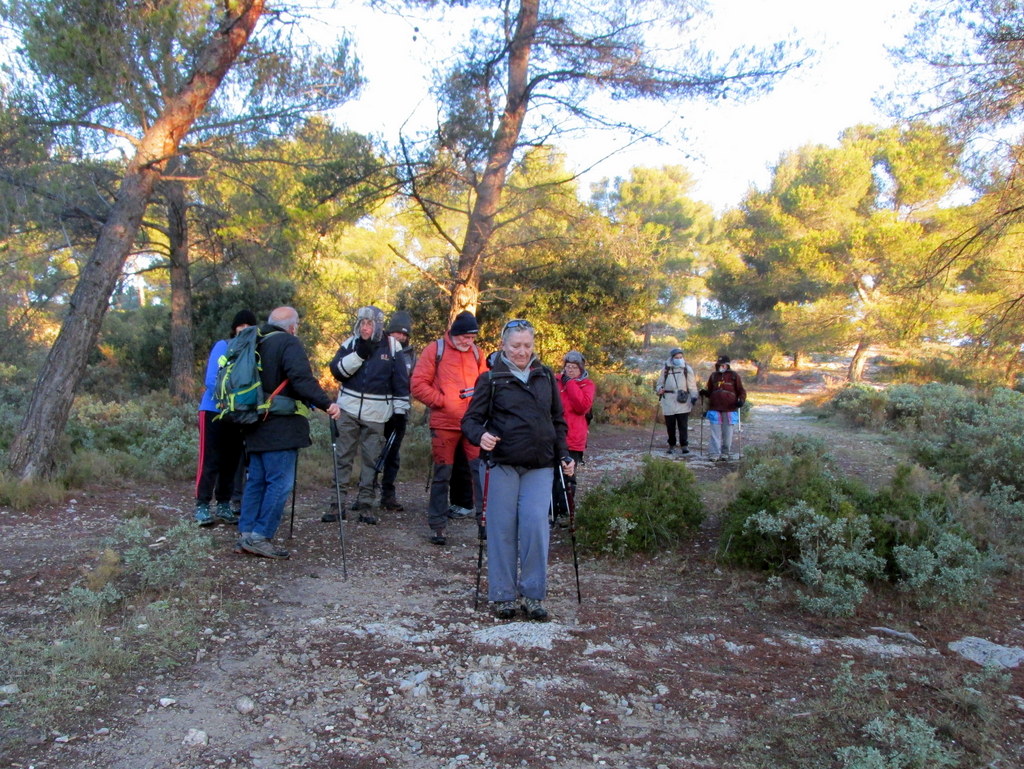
[693,399]
[363,348]
[704,394]
[739,404]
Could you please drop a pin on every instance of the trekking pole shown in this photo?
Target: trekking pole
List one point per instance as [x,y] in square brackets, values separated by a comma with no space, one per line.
[481,533]
[654,427]
[378,466]
[700,441]
[337,491]
[570,504]
[295,483]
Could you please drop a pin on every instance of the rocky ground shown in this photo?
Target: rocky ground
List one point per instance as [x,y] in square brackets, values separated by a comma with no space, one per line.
[667,662]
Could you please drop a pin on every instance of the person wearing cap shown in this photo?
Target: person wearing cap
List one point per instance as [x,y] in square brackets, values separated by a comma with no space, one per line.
[374,380]
[400,329]
[677,390]
[221,446]
[577,391]
[443,380]
[726,396]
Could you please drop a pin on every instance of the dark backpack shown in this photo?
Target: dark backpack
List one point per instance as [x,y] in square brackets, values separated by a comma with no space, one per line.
[239,394]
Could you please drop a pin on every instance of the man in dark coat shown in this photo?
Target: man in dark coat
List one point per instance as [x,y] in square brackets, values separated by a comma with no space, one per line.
[273,442]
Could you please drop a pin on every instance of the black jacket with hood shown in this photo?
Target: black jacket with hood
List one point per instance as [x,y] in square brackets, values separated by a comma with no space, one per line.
[526,416]
[283,357]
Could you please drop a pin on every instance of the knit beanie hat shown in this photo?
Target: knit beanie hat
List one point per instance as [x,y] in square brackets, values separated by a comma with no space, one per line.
[243,318]
[401,322]
[723,360]
[464,323]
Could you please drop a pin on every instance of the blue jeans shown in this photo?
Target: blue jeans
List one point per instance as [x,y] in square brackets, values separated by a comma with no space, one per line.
[271,476]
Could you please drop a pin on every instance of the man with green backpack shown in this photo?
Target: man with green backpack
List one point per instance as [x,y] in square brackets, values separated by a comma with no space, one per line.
[280,428]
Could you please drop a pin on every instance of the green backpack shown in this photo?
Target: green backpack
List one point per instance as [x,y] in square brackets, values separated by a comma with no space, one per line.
[239,394]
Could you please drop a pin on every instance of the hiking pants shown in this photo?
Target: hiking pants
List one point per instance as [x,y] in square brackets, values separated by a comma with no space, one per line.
[443,444]
[674,421]
[518,533]
[395,426]
[720,435]
[368,437]
[271,477]
[220,447]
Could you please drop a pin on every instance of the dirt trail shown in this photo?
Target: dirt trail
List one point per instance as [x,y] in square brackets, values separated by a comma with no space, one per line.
[668,662]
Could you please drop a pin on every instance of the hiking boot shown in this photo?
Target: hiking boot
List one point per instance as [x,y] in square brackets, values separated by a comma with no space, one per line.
[367,518]
[392,504]
[734,457]
[457,511]
[534,610]
[329,518]
[225,513]
[358,506]
[713,457]
[438,538]
[505,609]
[671,450]
[203,515]
[258,545]
[684,450]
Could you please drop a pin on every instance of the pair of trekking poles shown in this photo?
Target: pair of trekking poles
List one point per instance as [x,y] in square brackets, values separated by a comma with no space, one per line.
[570,505]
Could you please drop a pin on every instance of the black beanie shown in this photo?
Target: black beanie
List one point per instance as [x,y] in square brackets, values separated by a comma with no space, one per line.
[401,321]
[464,323]
[243,318]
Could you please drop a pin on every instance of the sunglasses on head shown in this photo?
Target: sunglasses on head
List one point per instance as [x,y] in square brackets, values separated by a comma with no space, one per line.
[517,323]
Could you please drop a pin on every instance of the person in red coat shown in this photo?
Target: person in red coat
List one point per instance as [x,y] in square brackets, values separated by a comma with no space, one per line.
[577,390]
[443,380]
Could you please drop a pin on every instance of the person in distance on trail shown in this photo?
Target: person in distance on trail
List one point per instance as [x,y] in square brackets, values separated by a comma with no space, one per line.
[677,389]
[577,391]
[516,417]
[220,442]
[273,441]
[726,396]
[400,329]
[443,380]
[374,381]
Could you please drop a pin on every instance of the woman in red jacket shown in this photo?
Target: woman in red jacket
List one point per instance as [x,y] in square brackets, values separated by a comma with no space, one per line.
[577,391]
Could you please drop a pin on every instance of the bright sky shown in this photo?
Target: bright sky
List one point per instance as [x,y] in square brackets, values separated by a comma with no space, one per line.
[726,146]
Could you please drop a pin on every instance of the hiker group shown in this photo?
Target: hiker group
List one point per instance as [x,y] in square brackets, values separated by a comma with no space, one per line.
[507,435]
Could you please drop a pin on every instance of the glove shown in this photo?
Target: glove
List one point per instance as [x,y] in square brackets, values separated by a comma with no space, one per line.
[693,399]
[704,394]
[739,404]
[363,348]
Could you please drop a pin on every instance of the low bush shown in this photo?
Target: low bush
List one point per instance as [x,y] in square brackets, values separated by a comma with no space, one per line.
[142,604]
[794,515]
[623,399]
[652,511]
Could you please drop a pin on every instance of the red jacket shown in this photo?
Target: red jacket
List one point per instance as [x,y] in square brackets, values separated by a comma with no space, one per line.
[577,400]
[438,384]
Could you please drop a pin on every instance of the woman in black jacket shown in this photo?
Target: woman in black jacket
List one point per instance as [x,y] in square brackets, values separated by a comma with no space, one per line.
[516,418]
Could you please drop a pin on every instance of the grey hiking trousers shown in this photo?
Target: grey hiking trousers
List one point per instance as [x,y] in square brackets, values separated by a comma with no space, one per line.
[518,500]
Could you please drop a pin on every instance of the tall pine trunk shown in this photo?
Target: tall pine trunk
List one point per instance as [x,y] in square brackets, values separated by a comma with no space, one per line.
[183,358]
[859,360]
[31,454]
[466,291]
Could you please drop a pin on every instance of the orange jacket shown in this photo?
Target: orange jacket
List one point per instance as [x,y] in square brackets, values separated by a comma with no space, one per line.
[439,383]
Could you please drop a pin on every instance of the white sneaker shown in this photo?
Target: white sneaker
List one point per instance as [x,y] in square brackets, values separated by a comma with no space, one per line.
[459,512]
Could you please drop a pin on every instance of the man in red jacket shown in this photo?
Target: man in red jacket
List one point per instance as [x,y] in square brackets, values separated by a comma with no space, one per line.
[443,380]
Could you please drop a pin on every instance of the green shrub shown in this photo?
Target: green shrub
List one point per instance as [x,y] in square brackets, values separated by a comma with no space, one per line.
[901,742]
[652,511]
[794,516]
[859,405]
